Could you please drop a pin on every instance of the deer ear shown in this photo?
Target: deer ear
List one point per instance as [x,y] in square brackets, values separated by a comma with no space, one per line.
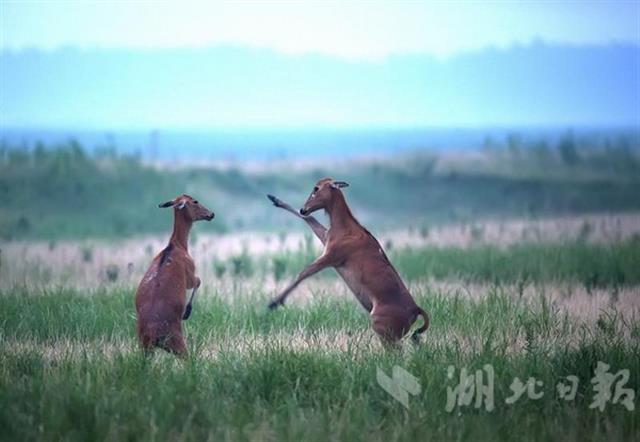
[339,184]
[178,206]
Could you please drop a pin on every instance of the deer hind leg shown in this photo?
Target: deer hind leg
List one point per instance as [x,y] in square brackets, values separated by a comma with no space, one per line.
[388,332]
[391,325]
[147,344]
[175,344]
[146,339]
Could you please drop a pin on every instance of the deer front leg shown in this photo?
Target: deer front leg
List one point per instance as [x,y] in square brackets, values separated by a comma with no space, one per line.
[318,229]
[188,308]
[319,264]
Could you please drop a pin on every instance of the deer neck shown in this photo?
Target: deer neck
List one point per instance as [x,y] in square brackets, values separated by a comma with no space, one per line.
[181,228]
[340,215]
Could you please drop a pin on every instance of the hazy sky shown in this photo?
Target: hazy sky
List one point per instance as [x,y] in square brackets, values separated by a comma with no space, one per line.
[366,29]
[575,78]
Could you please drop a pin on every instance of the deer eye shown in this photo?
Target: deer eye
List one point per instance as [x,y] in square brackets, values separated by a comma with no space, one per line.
[195,202]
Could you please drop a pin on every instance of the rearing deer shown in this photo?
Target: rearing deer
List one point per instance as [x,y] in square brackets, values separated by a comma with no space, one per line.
[359,260]
[161,295]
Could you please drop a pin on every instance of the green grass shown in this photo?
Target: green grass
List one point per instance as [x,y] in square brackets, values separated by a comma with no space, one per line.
[593,266]
[609,265]
[71,371]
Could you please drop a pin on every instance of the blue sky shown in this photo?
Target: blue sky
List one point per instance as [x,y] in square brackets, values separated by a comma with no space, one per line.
[166,64]
[348,29]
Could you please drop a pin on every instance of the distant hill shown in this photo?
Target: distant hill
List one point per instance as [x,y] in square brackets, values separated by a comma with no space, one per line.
[539,84]
[70,193]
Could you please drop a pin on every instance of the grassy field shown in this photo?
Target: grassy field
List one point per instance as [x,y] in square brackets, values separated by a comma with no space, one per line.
[526,258]
[592,266]
[273,259]
[71,369]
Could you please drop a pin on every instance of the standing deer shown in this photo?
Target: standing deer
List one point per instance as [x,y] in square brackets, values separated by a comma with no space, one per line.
[161,295]
[359,260]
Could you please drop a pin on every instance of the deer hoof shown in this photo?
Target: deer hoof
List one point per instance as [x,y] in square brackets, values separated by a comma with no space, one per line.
[187,312]
[275,304]
[274,200]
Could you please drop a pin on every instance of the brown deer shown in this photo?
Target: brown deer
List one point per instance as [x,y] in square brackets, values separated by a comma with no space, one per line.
[359,260]
[161,295]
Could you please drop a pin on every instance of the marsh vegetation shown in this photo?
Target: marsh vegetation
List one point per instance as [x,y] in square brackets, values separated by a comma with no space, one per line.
[526,259]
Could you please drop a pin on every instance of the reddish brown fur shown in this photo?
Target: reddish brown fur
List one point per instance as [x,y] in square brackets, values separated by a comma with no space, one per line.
[360,260]
[161,295]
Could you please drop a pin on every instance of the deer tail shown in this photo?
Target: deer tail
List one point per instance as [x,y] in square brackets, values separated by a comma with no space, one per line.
[416,334]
